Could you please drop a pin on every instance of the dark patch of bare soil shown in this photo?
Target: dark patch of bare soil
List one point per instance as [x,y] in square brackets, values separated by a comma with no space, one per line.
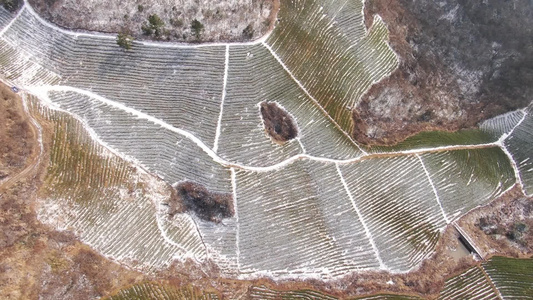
[209,206]
[279,125]
[460,62]
[513,223]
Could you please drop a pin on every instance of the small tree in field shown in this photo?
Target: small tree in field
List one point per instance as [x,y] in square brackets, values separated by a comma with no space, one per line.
[197,28]
[248,32]
[125,41]
[155,25]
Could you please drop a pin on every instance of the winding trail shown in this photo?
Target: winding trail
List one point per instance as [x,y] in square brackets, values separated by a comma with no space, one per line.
[37,151]
[42,93]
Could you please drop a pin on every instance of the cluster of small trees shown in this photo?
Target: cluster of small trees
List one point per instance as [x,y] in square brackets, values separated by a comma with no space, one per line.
[10,5]
[197,28]
[155,27]
[125,40]
[248,32]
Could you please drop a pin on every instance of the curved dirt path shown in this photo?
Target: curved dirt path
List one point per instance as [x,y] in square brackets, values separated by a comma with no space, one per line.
[34,160]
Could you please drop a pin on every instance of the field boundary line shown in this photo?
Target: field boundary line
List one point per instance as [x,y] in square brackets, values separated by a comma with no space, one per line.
[361,219]
[514,165]
[505,135]
[491,283]
[234,188]
[6,28]
[302,87]
[168,240]
[224,84]
[433,188]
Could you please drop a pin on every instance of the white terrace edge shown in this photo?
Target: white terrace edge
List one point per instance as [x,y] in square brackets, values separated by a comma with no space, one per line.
[87,33]
[41,92]
[261,41]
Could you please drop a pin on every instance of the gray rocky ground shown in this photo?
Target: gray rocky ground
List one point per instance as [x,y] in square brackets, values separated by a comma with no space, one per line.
[222,20]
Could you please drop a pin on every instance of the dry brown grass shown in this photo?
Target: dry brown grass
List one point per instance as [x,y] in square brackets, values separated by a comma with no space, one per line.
[38,262]
[16,136]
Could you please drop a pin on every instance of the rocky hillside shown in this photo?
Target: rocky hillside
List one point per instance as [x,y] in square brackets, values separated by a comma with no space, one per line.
[461,61]
[220,20]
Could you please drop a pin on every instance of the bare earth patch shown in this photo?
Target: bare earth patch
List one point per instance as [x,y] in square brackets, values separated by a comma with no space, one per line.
[206,205]
[279,124]
[16,136]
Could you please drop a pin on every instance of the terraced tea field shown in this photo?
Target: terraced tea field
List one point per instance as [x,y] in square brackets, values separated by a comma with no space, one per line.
[152,290]
[498,278]
[317,206]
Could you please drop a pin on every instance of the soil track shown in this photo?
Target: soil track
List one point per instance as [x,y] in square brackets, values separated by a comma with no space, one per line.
[32,161]
[19,150]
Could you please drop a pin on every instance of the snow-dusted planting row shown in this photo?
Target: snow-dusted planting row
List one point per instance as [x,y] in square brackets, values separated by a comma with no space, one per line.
[326,47]
[255,76]
[299,220]
[497,278]
[316,206]
[374,213]
[108,203]
[168,154]
[465,179]
[183,87]
[471,284]
[179,85]
[520,145]
[512,278]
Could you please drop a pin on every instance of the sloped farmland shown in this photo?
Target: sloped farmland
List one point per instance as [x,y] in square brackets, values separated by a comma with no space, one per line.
[471,284]
[497,278]
[128,124]
[512,277]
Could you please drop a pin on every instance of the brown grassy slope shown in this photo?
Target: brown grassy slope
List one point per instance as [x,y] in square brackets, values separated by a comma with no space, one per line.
[16,136]
[37,262]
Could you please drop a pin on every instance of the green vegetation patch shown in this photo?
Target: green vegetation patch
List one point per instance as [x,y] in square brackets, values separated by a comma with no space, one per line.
[156,291]
[388,297]
[471,284]
[513,277]
[432,139]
